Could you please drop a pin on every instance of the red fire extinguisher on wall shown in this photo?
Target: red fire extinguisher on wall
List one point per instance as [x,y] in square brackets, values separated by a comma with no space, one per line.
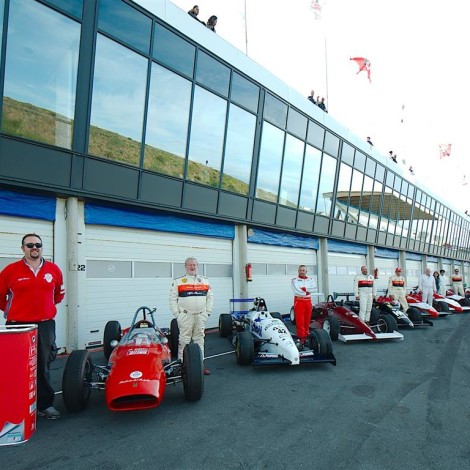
[376,273]
[248,272]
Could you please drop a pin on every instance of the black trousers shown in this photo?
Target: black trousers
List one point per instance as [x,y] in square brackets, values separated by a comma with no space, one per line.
[47,351]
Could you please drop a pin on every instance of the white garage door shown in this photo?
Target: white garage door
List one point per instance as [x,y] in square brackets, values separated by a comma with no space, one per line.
[130,268]
[413,270]
[342,269]
[386,267]
[273,270]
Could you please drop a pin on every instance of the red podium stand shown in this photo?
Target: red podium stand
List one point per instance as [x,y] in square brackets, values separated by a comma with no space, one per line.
[18,353]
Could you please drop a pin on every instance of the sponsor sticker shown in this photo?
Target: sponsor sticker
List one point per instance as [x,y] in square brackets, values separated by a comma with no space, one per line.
[136,374]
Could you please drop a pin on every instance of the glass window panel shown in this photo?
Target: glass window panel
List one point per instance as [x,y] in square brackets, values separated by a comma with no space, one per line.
[73,7]
[380,173]
[370,167]
[40,74]
[167,122]
[108,269]
[316,135]
[207,137]
[308,194]
[347,153]
[2,9]
[218,270]
[291,169]
[390,179]
[356,189]
[212,73]
[360,161]
[344,178]
[117,109]
[125,23]
[244,92]
[276,269]
[397,183]
[238,150]
[173,50]
[297,123]
[275,111]
[331,144]
[269,168]
[144,269]
[327,180]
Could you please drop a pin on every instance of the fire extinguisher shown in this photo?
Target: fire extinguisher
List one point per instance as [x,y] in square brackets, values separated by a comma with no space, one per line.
[248,272]
[376,273]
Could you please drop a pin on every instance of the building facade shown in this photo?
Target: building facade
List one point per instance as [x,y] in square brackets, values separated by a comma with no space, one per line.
[132,137]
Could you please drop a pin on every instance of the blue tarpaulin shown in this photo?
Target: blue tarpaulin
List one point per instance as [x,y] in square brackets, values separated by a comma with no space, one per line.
[27,205]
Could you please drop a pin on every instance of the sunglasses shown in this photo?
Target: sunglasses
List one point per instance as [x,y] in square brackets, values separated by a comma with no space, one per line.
[32,245]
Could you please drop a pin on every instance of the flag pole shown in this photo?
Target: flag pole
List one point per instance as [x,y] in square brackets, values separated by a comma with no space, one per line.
[326,71]
[246,32]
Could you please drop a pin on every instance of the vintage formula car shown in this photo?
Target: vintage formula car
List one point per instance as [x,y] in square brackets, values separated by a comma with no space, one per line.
[464,301]
[262,338]
[340,318]
[139,367]
[411,319]
[414,299]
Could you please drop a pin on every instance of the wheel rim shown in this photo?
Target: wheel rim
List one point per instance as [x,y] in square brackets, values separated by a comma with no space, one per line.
[327,326]
[382,325]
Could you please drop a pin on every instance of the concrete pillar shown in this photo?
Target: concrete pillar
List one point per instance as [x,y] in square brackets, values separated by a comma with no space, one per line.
[240,259]
[322,259]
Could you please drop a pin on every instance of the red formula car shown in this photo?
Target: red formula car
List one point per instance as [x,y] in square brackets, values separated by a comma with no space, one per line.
[139,367]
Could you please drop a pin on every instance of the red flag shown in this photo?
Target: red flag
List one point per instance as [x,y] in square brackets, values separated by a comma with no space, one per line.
[444,150]
[317,7]
[364,65]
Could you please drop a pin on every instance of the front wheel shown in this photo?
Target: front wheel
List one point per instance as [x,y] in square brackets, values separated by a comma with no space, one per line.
[386,324]
[225,325]
[193,377]
[112,332]
[415,315]
[174,337]
[292,315]
[244,348]
[332,326]
[76,380]
[320,342]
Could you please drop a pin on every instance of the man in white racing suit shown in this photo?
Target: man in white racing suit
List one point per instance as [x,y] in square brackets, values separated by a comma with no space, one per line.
[444,283]
[191,300]
[427,286]
[457,283]
[302,286]
[397,289]
[365,291]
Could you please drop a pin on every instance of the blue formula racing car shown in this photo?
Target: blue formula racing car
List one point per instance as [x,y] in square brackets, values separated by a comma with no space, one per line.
[262,338]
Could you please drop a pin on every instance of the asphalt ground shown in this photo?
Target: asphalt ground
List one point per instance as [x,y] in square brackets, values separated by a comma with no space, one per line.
[386,405]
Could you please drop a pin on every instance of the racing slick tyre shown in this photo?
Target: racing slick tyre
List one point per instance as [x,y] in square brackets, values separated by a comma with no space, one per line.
[320,342]
[244,348]
[292,315]
[276,315]
[386,324]
[76,379]
[174,337]
[464,302]
[415,315]
[332,326]
[112,332]
[225,325]
[441,307]
[193,377]
[374,315]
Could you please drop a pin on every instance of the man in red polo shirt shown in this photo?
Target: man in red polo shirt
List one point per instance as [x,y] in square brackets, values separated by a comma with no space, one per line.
[29,291]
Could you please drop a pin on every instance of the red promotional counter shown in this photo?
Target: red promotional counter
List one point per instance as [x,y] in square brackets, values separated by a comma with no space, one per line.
[18,352]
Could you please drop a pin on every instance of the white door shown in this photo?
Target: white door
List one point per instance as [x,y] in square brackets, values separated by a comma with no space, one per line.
[129,268]
[413,270]
[386,267]
[342,269]
[273,270]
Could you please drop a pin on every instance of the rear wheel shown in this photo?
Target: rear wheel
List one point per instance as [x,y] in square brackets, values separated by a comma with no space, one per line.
[244,348]
[225,325]
[174,337]
[320,342]
[464,302]
[415,315]
[76,380]
[112,332]
[374,315]
[332,326]
[386,324]
[193,377]
[442,307]
[292,315]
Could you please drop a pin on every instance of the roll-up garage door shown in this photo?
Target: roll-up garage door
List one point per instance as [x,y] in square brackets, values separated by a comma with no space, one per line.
[273,270]
[128,268]
[386,267]
[413,270]
[342,269]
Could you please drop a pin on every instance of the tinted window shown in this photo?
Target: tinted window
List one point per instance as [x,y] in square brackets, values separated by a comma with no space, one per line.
[173,50]
[117,109]
[73,7]
[347,154]
[167,122]
[40,74]
[125,23]
[291,169]
[308,194]
[331,144]
[327,180]
[316,135]
[275,110]
[244,92]
[212,73]
[269,168]
[359,161]
[238,150]
[207,137]
[297,123]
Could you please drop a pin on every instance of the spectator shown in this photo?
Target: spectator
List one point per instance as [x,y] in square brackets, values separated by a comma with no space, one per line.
[322,105]
[312,97]
[437,280]
[444,282]
[194,12]
[211,23]
[369,141]
[410,169]
[393,156]
[427,286]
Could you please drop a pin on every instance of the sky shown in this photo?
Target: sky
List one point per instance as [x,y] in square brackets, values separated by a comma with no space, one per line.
[418,97]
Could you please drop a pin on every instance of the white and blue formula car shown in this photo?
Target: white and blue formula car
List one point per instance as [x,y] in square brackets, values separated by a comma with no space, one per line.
[262,338]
